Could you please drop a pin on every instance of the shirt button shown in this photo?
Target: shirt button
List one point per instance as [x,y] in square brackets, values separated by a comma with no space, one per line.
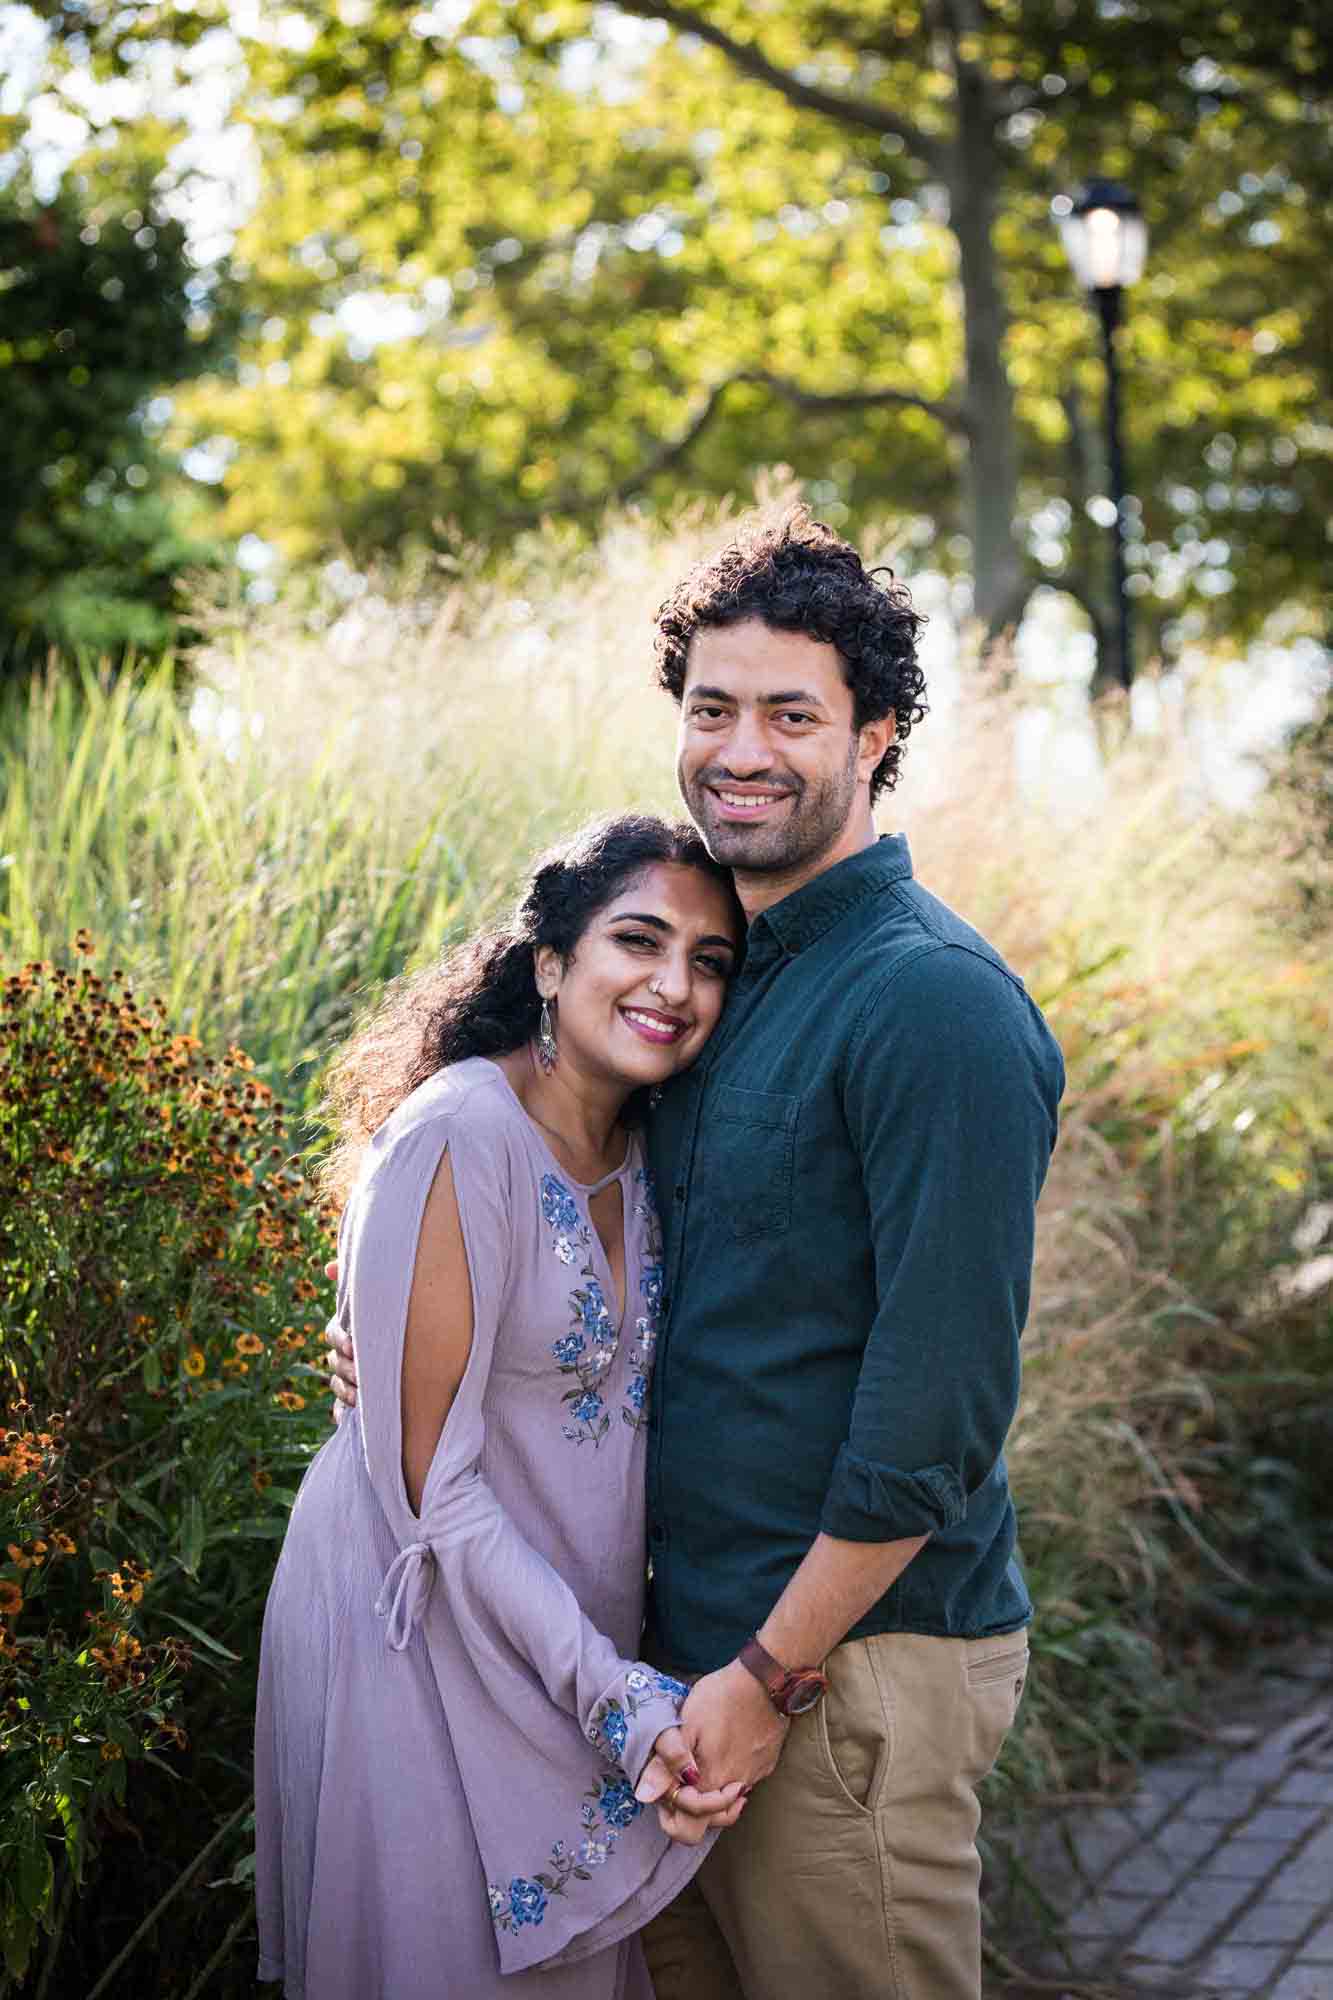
[679,1190]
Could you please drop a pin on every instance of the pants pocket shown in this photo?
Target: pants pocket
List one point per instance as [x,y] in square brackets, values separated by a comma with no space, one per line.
[996,1675]
[855,1722]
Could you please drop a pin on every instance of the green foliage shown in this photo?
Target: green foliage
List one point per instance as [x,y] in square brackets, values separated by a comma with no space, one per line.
[75,1708]
[97,316]
[651,248]
[156,1252]
[356,780]
[596,224]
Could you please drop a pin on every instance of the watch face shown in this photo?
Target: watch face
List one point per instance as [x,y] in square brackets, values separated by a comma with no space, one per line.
[804,1692]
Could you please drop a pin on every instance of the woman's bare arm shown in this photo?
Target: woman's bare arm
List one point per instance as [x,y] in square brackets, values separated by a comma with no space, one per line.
[439,1331]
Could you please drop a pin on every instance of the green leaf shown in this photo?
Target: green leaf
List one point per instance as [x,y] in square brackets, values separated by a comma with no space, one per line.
[198,1632]
[119,1732]
[192,1535]
[35,1874]
[18,1936]
[152,1369]
[136,1501]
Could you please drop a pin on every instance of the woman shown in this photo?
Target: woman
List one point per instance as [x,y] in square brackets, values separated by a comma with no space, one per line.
[451,1718]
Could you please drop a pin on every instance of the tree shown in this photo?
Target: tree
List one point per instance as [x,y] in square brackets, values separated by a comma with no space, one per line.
[649,248]
[100,313]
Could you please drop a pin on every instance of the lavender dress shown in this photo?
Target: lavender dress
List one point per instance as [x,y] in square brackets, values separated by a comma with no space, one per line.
[451,1717]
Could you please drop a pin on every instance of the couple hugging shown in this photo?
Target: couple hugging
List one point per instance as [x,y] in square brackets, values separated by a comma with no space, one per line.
[650,1618]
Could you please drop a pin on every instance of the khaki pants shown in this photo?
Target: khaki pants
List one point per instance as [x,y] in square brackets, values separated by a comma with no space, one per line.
[853,1872]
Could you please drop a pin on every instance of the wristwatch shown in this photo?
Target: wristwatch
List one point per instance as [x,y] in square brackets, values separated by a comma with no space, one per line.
[791,1690]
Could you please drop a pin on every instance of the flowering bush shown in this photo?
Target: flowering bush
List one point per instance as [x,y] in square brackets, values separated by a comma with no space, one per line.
[156,1299]
[76,1705]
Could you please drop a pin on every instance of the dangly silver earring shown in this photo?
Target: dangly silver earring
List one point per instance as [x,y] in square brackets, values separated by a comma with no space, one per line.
[547,1052]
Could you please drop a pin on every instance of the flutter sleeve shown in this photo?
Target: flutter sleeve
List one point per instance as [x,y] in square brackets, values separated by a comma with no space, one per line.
[550,1724]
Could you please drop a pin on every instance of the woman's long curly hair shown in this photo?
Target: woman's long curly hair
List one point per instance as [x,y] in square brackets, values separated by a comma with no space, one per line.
[797,575]
[481,999]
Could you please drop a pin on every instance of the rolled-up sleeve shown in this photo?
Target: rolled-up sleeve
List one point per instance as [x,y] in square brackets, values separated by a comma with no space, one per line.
[952,1083]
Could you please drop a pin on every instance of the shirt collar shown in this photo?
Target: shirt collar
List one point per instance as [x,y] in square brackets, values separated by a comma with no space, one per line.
[803,917]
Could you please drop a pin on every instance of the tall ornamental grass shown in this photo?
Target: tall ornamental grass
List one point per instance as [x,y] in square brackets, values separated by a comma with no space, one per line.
[340,784]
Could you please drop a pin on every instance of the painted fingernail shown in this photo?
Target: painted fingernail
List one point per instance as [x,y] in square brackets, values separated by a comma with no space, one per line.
[689,1776]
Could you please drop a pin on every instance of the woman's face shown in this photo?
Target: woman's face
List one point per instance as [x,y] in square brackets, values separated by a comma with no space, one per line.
[645,985]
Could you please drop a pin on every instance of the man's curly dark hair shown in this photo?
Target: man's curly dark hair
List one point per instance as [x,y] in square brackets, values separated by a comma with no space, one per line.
[797,575]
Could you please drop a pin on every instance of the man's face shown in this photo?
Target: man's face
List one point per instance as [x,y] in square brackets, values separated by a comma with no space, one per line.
[774,773]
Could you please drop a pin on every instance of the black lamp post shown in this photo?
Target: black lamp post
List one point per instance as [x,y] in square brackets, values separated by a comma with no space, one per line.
[1106,241]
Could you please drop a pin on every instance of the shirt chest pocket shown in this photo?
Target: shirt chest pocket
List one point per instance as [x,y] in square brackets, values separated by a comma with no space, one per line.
[747,1147]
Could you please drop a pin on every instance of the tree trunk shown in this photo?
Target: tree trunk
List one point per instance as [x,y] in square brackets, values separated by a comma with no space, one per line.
[1000,580]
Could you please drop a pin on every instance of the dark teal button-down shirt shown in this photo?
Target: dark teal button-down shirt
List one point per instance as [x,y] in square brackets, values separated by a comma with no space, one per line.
[847,1181]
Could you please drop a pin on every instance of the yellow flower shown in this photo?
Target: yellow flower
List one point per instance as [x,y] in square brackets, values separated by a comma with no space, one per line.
[234,1365]
[194,1362]
[289,1399]
[249,1343]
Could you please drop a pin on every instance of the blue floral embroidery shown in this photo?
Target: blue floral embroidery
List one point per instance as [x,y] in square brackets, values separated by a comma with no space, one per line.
[527,1903]
[618,1803]
[634,1410]
[559,1206]
[609,1723]
[605,1812]
[588,1349]
[615,1729]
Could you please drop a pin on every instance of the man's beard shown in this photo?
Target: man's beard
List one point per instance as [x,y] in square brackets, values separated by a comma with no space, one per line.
[802,832]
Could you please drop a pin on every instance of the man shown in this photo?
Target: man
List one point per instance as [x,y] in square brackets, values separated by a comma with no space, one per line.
[847,1181]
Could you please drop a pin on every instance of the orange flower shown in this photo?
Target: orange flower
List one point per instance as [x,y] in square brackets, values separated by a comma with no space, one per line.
[64,1543]
[249,1343]
[11,1598]
[111,1753]
[289,1399]
[18,1557]
[127,1583]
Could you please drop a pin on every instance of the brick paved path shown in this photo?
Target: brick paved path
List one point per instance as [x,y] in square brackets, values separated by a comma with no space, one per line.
[1214,1880]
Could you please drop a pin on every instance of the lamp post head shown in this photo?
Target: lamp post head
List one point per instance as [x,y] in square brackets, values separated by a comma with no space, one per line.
[1104,234]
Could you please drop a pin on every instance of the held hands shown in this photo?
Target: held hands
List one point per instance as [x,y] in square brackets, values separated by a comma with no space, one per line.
[732,1727]
[728,1726]
[670,1780]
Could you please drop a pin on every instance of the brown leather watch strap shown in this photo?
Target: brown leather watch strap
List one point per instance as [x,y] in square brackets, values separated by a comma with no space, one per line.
[792,1690]
[760,1662]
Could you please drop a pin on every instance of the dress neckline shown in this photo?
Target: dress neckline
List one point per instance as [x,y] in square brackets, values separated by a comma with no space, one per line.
[588,1189]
